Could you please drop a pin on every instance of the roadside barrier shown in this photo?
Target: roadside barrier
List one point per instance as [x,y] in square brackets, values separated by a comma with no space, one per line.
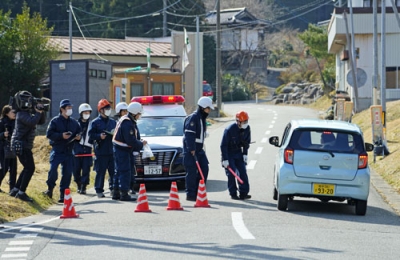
[173,202]
[142,203]
[68,209]
[201,200]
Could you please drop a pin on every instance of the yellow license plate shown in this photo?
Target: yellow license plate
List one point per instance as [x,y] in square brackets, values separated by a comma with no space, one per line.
[324,189]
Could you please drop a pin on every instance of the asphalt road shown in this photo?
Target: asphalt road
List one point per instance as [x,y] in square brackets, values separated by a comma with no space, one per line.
[252,229]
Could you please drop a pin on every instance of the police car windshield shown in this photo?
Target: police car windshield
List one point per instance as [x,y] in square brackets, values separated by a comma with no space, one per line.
[161,126]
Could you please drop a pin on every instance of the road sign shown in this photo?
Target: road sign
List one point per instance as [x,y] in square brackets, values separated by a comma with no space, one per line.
[361,78]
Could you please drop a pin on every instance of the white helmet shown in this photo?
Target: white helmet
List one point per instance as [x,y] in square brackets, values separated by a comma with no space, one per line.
[121,106]
[84,107]
[135,108]
[205,102]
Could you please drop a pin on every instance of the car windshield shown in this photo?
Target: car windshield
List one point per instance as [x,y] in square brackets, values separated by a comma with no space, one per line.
[207,88]
[161,126]
[327,140]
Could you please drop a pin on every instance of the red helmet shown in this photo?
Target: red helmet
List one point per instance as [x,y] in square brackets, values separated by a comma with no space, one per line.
[242,116]
[102,104]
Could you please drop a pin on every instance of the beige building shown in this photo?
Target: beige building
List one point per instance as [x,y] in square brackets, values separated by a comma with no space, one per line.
[363,40]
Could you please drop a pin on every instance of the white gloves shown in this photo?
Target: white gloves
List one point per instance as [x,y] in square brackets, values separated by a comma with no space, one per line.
[225,164]
[245,158]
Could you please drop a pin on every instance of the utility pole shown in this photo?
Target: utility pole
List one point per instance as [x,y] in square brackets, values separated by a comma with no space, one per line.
[383,63]
[353,59]
[198,84]
[218,59]
[375,54]
[70,30]
[164,33]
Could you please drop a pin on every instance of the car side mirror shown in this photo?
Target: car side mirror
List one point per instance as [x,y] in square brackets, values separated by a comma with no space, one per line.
[274,140]
[369,147]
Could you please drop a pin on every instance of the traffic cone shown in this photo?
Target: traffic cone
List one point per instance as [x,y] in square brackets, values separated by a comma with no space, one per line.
[69,209]
[142,203]
[173,202]
[201,200]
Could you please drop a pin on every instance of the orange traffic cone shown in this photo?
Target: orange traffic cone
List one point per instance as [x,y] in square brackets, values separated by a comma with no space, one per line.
[201,200]
[69,209]
[173,202]
[142,203]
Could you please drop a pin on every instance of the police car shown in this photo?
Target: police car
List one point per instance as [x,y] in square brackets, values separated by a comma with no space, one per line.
[161,125]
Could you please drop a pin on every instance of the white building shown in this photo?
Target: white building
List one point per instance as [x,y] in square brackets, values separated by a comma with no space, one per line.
[363,39]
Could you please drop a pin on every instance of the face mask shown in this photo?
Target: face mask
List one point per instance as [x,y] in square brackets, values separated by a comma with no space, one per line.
[244,126]
[68,112]
[107,112]
[86,116]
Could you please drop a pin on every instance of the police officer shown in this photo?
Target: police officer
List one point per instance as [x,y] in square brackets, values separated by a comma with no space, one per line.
[126,141]
[100,134]
[62,131]
[83,151]
[22,140]
[234,146]
[193,141]
[121,109]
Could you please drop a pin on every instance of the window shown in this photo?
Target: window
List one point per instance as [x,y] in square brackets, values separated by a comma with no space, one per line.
[257,63]
[136,90]
[102,74]
[92,73]
[369,3]
[392,77]
[162,89]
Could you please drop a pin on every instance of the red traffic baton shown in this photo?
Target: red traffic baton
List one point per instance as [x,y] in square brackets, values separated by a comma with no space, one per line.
[234,174]
[84,155]
[198,167]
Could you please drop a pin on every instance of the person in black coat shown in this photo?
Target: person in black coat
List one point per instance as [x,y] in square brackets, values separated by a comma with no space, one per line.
[8,161]
[22,140]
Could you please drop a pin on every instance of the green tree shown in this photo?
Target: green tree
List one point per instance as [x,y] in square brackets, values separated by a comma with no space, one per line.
[24,52]
[316,39]
[209,59]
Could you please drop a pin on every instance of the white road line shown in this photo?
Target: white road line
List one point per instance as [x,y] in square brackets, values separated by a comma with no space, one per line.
[264,140]
[9,228]
[30,229]
[17,249]
[275,118]
[21,243]
[270,126]
[267,132]
[251,165]
[238,225]
[14,255]
[258,150]
[30,235]
[273,122]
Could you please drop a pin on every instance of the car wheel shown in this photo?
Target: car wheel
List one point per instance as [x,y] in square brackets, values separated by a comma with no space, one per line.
[282,202]
[361,207]
[275,194]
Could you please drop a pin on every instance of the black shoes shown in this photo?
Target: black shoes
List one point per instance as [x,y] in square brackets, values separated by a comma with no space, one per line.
[241,197]
[48,193]
[189,198]
[116,195]
[245,197]
[24,197]
[13,192]
[235,197]
[124,196]
[83,189]
[61,200]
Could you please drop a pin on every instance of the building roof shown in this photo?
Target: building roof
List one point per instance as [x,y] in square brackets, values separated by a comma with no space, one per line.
[113,47]
[230,16]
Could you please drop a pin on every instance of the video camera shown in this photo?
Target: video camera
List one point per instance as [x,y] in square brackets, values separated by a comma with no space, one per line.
[23,100]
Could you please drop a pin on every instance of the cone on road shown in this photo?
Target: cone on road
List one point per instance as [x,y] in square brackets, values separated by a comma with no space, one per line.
[69,209]
[142,203]
[173,202]
[201,200]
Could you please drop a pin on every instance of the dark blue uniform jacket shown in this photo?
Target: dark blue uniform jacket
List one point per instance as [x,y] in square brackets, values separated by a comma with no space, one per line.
[194,131]
[59,125]
[128,133]
[98,126]
[234,141]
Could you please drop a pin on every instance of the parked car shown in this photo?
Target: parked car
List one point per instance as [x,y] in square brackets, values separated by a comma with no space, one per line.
[161,125]
[323,159]
[207,90]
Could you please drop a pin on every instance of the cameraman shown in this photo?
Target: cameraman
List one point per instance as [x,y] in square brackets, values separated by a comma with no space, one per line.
[22,139]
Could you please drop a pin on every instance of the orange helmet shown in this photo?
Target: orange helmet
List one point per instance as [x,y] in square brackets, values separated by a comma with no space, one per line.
[242,116]
[102,104]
